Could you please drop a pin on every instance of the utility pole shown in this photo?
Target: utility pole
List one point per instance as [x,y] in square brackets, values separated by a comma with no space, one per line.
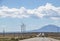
[57,31]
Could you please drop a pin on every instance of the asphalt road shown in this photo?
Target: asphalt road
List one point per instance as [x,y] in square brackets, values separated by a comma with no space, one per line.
[40,39]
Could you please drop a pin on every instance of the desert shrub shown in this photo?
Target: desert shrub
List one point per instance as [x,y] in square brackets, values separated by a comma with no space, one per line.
[13,39]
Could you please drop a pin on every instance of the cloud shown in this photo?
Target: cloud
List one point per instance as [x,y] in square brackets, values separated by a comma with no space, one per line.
[55,18]
[45,11]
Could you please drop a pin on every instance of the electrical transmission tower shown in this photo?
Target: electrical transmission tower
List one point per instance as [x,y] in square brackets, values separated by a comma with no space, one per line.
[3,33]
[23,28]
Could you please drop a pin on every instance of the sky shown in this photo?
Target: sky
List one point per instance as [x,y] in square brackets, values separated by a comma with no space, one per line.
[33,13]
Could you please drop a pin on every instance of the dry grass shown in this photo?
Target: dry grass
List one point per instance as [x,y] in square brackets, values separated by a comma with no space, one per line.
[19,36]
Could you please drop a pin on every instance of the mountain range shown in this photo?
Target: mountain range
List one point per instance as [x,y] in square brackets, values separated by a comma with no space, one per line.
[48,28]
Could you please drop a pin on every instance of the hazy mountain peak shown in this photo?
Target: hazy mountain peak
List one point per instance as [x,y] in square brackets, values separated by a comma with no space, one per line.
[48,28]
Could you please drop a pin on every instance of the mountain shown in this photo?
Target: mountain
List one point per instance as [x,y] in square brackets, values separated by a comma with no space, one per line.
[48,28]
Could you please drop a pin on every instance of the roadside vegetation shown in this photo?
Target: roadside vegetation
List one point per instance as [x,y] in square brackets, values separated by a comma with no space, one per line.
[17,37]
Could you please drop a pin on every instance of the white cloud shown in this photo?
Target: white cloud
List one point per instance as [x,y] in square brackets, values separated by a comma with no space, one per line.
[46,11]
[55,18]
